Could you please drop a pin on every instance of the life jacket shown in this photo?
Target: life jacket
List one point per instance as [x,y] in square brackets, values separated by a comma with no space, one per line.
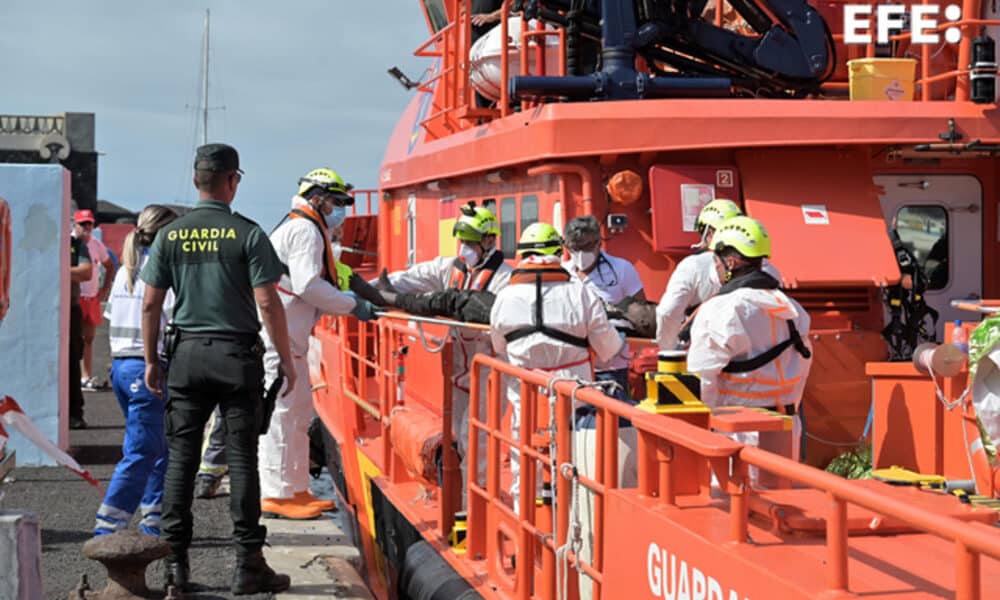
[481,277]
[760,280]
[537,274]
[336,273]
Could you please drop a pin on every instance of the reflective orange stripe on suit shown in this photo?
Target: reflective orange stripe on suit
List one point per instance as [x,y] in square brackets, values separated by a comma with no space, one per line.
[780,387]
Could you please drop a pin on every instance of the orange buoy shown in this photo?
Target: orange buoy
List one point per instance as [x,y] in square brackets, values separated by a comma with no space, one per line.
[416,435]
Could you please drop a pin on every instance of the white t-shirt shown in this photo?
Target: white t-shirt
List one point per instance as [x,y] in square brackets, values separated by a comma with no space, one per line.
[98,256]
[613,279]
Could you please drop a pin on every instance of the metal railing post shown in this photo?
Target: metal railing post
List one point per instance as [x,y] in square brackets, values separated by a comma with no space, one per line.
[967,573]
[836,544]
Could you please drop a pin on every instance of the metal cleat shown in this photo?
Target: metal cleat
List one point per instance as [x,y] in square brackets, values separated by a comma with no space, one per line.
[125,554]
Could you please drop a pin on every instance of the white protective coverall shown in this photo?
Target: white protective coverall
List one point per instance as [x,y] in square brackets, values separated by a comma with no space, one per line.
[741,325]
[570,307]
[694,280]
[305,294]
[986,394]
[436,276]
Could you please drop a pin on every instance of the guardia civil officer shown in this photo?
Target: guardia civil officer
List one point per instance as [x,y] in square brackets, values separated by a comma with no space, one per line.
[219,264]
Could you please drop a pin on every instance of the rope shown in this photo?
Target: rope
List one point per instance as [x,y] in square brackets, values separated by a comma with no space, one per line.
[574,537]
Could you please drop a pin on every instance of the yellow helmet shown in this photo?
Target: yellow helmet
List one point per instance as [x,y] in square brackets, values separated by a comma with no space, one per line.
[540,238]
[746,235]
[475,223]
[329,182]
[715,212]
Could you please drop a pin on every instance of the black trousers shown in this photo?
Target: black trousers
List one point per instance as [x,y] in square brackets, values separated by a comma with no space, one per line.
[205,372]
[75,356]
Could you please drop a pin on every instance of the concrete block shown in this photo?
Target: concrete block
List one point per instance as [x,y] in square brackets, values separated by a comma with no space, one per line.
[20,556]
[33,339]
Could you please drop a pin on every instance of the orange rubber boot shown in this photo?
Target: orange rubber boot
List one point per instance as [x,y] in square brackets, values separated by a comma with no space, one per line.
[306,497]
[288,508]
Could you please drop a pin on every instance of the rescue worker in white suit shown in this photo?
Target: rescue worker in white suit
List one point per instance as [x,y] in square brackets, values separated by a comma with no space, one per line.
[550,320]
[308,290]
[479,266]
[695,279]
[749,342]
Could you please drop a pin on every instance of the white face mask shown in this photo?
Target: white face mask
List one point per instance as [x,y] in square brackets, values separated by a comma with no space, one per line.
[336,218]
[337,250]
[583,260]
[469,254]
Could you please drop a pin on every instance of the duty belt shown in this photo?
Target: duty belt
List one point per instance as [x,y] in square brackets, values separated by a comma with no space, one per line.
[248,339]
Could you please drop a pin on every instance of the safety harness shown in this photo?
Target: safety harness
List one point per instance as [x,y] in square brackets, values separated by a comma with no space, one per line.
[752,364]
[760,280]
[537,274]
[337,274]
[481,276]
[908,311]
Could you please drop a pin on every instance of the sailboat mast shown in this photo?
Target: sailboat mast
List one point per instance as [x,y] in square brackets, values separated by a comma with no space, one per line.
[204,87]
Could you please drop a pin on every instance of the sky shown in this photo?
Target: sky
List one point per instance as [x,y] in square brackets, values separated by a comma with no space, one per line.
[303,82]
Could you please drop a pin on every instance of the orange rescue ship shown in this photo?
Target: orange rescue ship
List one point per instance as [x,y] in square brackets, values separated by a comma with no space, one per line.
[749,103]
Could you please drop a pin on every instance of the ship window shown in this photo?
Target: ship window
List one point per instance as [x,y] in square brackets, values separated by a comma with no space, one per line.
[508,227]
[557,216]
[490,203]
[923,229]
[529,211]
[436,14]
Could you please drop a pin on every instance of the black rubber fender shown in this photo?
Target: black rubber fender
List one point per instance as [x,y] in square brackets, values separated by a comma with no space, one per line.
[427,576]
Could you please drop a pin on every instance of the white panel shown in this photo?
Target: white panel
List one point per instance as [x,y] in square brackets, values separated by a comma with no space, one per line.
[34,336]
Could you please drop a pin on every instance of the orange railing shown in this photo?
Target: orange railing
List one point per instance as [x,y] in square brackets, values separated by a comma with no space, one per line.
[372,363]
[374,379]
[660,439]
[364,201]
[453,107]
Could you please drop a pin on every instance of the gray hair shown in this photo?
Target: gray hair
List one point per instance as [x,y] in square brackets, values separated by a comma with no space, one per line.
[581,228]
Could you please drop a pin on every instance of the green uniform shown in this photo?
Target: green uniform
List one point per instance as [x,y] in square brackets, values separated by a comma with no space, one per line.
[213,260]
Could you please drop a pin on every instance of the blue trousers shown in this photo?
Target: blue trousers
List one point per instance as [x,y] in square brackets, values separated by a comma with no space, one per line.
[138,478]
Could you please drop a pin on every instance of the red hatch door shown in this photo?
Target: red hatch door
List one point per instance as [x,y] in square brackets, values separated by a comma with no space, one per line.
[822,212]
[678,192]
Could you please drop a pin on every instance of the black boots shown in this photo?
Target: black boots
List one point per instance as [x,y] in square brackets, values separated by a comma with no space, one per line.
[253,576]
[177,572]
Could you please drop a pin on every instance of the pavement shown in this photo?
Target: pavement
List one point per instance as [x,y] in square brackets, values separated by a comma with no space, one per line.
[316,554]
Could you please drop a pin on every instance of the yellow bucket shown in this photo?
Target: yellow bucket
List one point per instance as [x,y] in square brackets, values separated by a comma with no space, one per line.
[882,78]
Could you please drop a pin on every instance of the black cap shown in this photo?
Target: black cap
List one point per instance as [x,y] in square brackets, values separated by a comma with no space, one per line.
[217,157]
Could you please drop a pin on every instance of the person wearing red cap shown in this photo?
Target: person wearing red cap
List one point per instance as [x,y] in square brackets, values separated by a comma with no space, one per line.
[92,292]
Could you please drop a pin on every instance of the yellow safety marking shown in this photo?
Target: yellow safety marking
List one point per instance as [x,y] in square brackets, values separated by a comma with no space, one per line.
[787,421]
[666,393]
[368,472]
[446,243]
[900,475]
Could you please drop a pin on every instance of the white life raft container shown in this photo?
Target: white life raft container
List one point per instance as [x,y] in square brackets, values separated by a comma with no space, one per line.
[484,56]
